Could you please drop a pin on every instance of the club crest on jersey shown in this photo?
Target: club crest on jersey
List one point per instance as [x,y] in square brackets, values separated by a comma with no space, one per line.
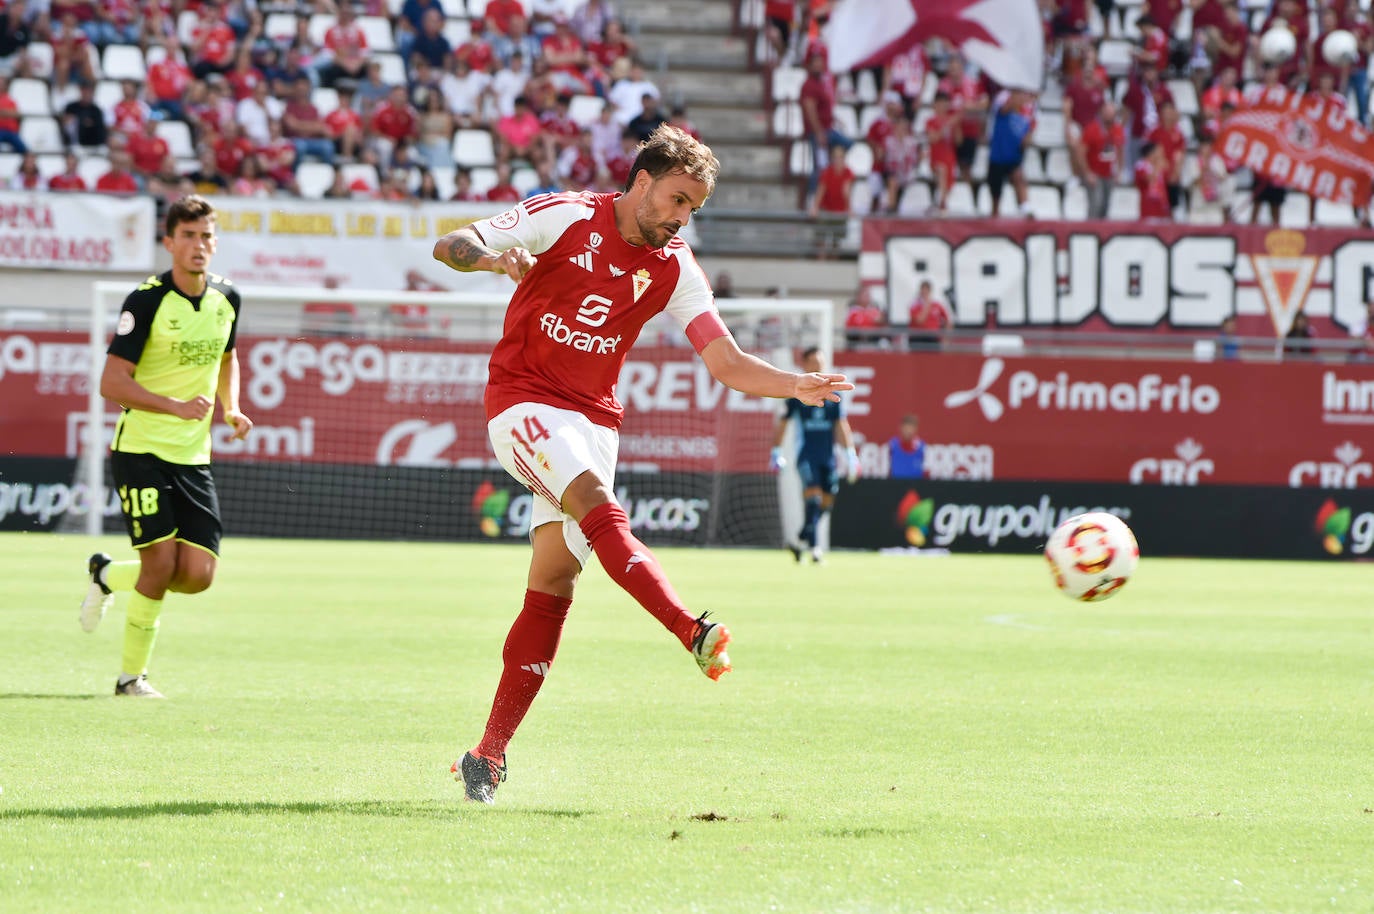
[641,281]
[594,240]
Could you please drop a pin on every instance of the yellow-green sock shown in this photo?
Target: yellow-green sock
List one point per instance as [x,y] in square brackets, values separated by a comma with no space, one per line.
[140,631]
[122,575]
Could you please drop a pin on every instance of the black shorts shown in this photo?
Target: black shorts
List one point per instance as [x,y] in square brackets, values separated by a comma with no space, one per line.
[819,474]
[1273,194]
[966,151]
[998,173]
[162,500]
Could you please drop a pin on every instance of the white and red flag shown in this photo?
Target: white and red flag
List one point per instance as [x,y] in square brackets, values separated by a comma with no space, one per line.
[1004,38]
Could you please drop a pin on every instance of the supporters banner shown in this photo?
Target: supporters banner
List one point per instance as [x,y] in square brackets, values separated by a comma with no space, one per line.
[345,244]
[1301,141]
[1100,276]
[990,33]
[418,404]
[70,231]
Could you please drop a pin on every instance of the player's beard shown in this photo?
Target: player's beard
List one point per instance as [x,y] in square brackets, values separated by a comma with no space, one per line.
[654,233]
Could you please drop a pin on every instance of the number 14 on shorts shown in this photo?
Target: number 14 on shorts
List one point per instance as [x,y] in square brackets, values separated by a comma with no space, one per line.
[534,431]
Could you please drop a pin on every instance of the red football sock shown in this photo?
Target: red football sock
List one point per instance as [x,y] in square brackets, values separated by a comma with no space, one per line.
[631,565]
[528,654]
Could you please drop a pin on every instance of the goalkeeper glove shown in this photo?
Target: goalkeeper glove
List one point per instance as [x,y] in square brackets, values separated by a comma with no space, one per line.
[776,461]
[852,456]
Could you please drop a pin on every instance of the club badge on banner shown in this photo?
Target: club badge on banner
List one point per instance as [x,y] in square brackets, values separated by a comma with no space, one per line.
[345,244]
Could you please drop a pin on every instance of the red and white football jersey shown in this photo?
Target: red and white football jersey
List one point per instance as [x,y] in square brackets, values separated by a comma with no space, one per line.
[575,315]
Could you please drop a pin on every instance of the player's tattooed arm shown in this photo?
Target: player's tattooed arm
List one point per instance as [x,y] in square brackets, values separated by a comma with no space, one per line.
[464,250]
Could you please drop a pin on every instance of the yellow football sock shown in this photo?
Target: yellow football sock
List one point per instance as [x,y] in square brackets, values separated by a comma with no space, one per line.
[140,631]
[122,575]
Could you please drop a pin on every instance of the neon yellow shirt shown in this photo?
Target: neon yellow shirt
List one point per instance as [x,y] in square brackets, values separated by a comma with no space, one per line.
[176,342]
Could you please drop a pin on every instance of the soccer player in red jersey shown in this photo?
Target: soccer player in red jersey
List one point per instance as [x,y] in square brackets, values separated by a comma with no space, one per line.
[591,269]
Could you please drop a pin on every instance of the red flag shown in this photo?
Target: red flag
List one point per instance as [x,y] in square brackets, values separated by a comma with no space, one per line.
[1005,38]
[1305,143]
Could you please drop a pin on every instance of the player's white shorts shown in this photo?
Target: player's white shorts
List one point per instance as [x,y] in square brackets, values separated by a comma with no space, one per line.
[545,448]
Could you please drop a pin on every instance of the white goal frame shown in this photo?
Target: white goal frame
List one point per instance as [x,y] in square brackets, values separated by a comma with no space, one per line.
[106,297]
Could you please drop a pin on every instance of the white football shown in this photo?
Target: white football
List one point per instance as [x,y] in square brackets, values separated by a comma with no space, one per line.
[1340,48]
[1277,45]
[1092,555]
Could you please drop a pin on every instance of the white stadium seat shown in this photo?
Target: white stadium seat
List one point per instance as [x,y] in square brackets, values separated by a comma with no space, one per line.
[30,96]
[41,134]
[314,178]
[473,148]
[124,61]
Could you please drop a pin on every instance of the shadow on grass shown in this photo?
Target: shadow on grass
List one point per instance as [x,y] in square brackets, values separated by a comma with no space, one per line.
[11,696]
[399,810]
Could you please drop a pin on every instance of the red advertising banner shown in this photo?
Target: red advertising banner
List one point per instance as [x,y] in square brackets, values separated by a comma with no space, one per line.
[1307,424]
[1302,141]
[1104,276]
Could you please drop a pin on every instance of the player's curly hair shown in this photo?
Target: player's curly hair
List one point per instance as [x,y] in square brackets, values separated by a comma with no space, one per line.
[188,209]
[670,150]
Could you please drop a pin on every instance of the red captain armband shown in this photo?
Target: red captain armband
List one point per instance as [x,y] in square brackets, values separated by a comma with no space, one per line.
[704,328]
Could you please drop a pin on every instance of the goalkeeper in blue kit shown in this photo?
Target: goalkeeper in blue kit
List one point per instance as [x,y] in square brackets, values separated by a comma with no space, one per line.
[819,427]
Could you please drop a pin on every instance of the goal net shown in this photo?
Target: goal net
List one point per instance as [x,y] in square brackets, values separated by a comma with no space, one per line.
[369,424]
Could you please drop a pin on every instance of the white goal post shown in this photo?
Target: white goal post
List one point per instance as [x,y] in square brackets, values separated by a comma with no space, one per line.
[791,324]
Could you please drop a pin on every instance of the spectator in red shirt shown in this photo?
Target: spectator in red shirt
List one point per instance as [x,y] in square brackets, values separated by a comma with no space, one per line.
[230,148]
[68,179]
[71,52]
[927,318]
[302,125]
[503,191]
[1356,21]
[245,75]
[618,166]
[392,122]
[1152,181]
[1316,61]
[864,321]
[1145,93]
[969,99]
[1169,138]
[1230,40]
[118,180]
[833,185]
[1104,151]
[577,166]
[496,21]
[213,43]
[1154,44]
[612,45]
[462,187]
[567,59]
[943,135]
[677,116]
[168,80]
[1221,92]
[147,150]
[1083,97]
[130,112]
[345,46]
[278,158]
[344,122]
[1164,13]
[818,115]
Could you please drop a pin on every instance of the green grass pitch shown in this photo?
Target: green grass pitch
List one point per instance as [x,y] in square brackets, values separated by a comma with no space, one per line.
[899,735]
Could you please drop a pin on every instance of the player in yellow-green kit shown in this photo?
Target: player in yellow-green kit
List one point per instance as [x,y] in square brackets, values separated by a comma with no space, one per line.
[172,352]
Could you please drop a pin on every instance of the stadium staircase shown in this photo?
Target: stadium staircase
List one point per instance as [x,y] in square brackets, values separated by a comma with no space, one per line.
[699,57]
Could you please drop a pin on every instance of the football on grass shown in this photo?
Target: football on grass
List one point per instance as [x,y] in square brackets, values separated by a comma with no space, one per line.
[1092,556]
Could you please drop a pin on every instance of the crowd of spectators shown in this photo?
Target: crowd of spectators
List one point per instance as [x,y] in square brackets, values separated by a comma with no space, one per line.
[400,100]
[1123,126]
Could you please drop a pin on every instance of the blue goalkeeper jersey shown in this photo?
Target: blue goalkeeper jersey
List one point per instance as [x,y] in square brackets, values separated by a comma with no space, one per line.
[817,426]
